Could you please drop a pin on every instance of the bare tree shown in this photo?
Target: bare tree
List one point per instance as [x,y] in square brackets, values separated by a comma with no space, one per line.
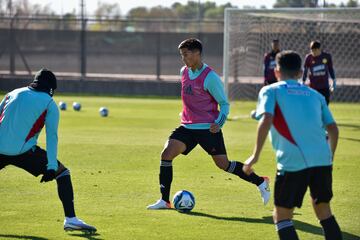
[107,10]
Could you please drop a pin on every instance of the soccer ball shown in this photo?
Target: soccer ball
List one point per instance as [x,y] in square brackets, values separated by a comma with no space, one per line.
[76,106]
[184,201]
[62,106]
[104,112]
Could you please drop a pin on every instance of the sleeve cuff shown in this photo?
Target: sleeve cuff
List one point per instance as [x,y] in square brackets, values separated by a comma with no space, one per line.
[52,166]
[221,121]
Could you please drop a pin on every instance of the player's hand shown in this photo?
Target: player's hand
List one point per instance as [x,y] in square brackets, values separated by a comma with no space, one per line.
[247,167]
[333,86]
[49,175]
[214,128]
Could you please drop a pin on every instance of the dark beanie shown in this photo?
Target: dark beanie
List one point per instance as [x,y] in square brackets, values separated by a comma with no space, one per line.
[44,81]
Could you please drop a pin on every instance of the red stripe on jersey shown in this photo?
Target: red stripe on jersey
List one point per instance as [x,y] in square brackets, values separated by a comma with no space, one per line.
[38,125]
[281,125]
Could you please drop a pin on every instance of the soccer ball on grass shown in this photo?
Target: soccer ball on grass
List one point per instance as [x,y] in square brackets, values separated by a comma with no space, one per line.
[184,201]
[103,111]
[76,106]
[62,106]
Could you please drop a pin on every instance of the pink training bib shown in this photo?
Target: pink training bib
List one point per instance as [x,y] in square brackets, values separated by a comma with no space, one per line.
[198,105]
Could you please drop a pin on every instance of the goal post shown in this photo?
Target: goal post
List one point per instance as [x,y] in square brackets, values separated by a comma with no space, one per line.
[248,35]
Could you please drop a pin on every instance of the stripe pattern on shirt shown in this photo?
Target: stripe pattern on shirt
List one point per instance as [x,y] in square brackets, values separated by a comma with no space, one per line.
[38,125]
[222,120]
[281,125]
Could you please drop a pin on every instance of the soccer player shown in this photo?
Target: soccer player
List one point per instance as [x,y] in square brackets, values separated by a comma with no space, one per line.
[269,67]
[269,63]
[201,122]
[23,114]
[296,115]
[320,65]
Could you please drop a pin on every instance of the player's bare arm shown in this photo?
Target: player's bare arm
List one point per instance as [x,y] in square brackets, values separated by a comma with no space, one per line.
[262,131]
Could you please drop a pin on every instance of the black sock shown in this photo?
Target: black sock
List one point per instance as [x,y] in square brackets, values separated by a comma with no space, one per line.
[331,229]
[236,168]
[286,230]
[66,194]
[165,177]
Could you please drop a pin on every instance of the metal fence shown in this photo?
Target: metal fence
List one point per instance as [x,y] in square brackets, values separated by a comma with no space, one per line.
[106,47]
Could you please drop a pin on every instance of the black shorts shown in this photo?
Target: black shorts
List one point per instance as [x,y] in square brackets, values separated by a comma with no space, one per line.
[33,161]
[212,143]
[326,93]
[290,187]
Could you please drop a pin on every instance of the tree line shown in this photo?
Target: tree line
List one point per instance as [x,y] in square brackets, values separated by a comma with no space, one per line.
[190,10]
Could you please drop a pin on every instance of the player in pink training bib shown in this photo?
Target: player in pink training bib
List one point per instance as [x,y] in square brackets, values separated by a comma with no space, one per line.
[205,109]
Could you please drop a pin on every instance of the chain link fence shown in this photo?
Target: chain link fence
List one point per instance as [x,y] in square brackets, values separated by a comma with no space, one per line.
[103,47]
[249,34]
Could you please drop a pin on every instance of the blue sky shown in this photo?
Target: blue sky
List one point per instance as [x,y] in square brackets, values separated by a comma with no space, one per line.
[63,6]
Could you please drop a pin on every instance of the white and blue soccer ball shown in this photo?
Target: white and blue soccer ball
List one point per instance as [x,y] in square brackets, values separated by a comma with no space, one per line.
[184,201]
[62,106]
[76,106]
[104,112]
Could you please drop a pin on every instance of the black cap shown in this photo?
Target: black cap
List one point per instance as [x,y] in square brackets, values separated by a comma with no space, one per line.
[44,81]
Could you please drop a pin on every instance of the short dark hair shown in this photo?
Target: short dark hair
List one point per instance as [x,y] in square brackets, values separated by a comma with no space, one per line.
[315,45]
[289,63]
[44,81]
[275,41]
[191,44]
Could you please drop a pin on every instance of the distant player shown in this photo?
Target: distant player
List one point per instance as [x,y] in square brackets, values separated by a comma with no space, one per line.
[269,63]
[23,114]
[202,93]
[296,115]
[269,67]
[320,65]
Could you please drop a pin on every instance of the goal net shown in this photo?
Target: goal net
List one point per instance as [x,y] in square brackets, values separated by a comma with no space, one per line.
[248,35]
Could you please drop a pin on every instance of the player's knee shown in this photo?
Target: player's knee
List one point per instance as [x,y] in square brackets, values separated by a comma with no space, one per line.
[277,217]
[323,215]
[281,213]
[221,162]
[322,211]
[222,165]
[167,154]
[164,155]
[63,172]
[61,167]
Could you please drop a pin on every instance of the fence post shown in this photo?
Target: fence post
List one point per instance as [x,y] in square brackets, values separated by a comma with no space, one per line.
[83,41]
[12,46]
[158,56]
[83,49]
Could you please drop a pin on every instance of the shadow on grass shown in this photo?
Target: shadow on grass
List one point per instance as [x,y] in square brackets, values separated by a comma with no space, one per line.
[299,225]
[88,236]
[350,139]
[356,127]
[237,219]
[81,235]
[4,236]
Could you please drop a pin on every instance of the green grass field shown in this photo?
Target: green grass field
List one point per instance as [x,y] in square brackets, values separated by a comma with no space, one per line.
[114,164]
